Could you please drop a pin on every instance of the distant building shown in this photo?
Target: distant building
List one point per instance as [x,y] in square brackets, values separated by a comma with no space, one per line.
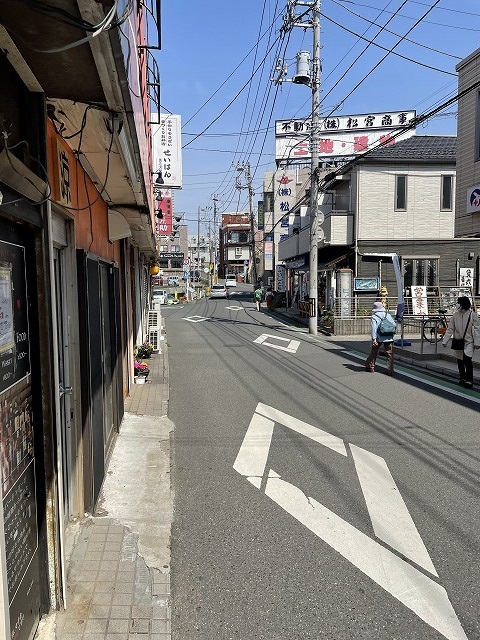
[235,245]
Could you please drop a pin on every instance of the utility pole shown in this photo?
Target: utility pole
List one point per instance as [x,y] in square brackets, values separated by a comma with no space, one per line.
[245,168]
[198,240]
[252,223]
[215,276]
[313,294]
[303,76]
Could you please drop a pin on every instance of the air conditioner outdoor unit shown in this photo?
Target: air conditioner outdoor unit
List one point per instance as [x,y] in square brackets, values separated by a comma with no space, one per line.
[154,328]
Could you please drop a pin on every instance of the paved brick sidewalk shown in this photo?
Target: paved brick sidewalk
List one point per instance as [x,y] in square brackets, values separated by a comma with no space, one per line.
[118,581]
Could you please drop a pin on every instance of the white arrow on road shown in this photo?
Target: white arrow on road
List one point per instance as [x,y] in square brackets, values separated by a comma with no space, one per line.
[390,518]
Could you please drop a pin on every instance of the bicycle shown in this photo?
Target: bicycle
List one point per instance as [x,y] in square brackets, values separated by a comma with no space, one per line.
[433,329]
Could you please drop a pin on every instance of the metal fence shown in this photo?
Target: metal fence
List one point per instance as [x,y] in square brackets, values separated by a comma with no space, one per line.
[361,306]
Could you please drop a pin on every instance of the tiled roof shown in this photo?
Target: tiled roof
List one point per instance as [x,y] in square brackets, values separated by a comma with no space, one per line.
[424,148]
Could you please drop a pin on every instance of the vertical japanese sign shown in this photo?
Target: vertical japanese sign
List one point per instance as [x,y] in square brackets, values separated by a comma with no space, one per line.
[419,300]
[165,224]
[284,199]
[167,150]
[64,187]
[268,253]
[280,278]
[260,215]
[467,277]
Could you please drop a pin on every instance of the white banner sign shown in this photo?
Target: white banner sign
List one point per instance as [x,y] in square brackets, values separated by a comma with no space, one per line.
[335,143]
[167,150]
[366,121]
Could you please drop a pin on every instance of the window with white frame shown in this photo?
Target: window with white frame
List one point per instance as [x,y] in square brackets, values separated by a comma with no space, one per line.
[446,195]
[238,252]
[400,193]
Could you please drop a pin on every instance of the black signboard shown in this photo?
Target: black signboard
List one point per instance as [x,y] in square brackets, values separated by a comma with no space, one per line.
[172,256]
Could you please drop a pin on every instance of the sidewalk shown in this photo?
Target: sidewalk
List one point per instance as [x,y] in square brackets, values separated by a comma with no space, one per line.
[435,358]
[118,581]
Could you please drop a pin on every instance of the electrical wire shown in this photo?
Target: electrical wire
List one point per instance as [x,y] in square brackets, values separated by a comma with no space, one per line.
[231,101]
[229,76]
[379,46]
[437,24]
[371,22]
[46,196]
[106,24]
[384,57]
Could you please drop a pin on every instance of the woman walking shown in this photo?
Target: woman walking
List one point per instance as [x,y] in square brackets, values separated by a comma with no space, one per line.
[464,329]
[380,338]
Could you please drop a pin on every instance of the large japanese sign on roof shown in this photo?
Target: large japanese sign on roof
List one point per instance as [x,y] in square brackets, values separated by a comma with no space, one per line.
[341,136]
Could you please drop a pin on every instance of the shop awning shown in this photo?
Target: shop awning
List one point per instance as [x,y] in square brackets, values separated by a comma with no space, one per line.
[327,266]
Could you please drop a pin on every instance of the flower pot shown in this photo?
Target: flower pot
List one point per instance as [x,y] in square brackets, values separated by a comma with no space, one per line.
[140,379]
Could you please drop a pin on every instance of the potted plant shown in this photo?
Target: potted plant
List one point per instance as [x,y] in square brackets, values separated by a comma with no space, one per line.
[140,372]
[144,350]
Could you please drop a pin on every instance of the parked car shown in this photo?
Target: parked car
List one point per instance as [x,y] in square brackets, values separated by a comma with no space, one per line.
[230,280]
[218,291]
[171,299]
[159,295]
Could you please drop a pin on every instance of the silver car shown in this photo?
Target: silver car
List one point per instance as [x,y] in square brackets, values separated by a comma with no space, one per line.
[218,291]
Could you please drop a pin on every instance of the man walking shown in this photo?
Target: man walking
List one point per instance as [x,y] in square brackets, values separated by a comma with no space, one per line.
[383,332]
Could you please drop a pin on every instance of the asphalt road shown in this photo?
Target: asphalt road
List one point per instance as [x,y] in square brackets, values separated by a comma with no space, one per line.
[313,499]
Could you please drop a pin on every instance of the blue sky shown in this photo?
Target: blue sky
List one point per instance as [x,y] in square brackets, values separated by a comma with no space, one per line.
[218,57]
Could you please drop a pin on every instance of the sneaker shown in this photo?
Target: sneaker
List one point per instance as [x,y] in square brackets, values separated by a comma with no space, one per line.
[461,383]
[369,369]
[468,385]
[390,373]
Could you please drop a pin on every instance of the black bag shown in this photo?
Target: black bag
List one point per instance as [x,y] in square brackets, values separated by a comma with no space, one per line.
[458,344]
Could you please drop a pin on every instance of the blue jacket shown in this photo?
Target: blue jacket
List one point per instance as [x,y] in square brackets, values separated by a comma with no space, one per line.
[377,317]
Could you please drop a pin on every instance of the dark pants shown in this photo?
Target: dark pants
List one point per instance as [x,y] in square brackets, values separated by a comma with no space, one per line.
[388,348]
[465,368]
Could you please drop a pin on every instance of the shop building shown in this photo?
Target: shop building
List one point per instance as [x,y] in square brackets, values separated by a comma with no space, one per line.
[76,241]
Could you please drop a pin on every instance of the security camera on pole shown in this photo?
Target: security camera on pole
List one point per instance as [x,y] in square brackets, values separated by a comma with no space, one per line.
[311,78]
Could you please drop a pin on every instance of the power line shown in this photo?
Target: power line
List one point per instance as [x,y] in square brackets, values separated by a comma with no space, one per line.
[419,44]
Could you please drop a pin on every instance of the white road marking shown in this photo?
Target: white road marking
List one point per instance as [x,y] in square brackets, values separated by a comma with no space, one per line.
[292,344]
[390,518]
[389,515]
[234,308]
[253,454]
[415,590]
[309,431]
[195,319]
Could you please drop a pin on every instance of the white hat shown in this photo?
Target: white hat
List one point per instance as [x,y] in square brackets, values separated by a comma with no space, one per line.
[378,306]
